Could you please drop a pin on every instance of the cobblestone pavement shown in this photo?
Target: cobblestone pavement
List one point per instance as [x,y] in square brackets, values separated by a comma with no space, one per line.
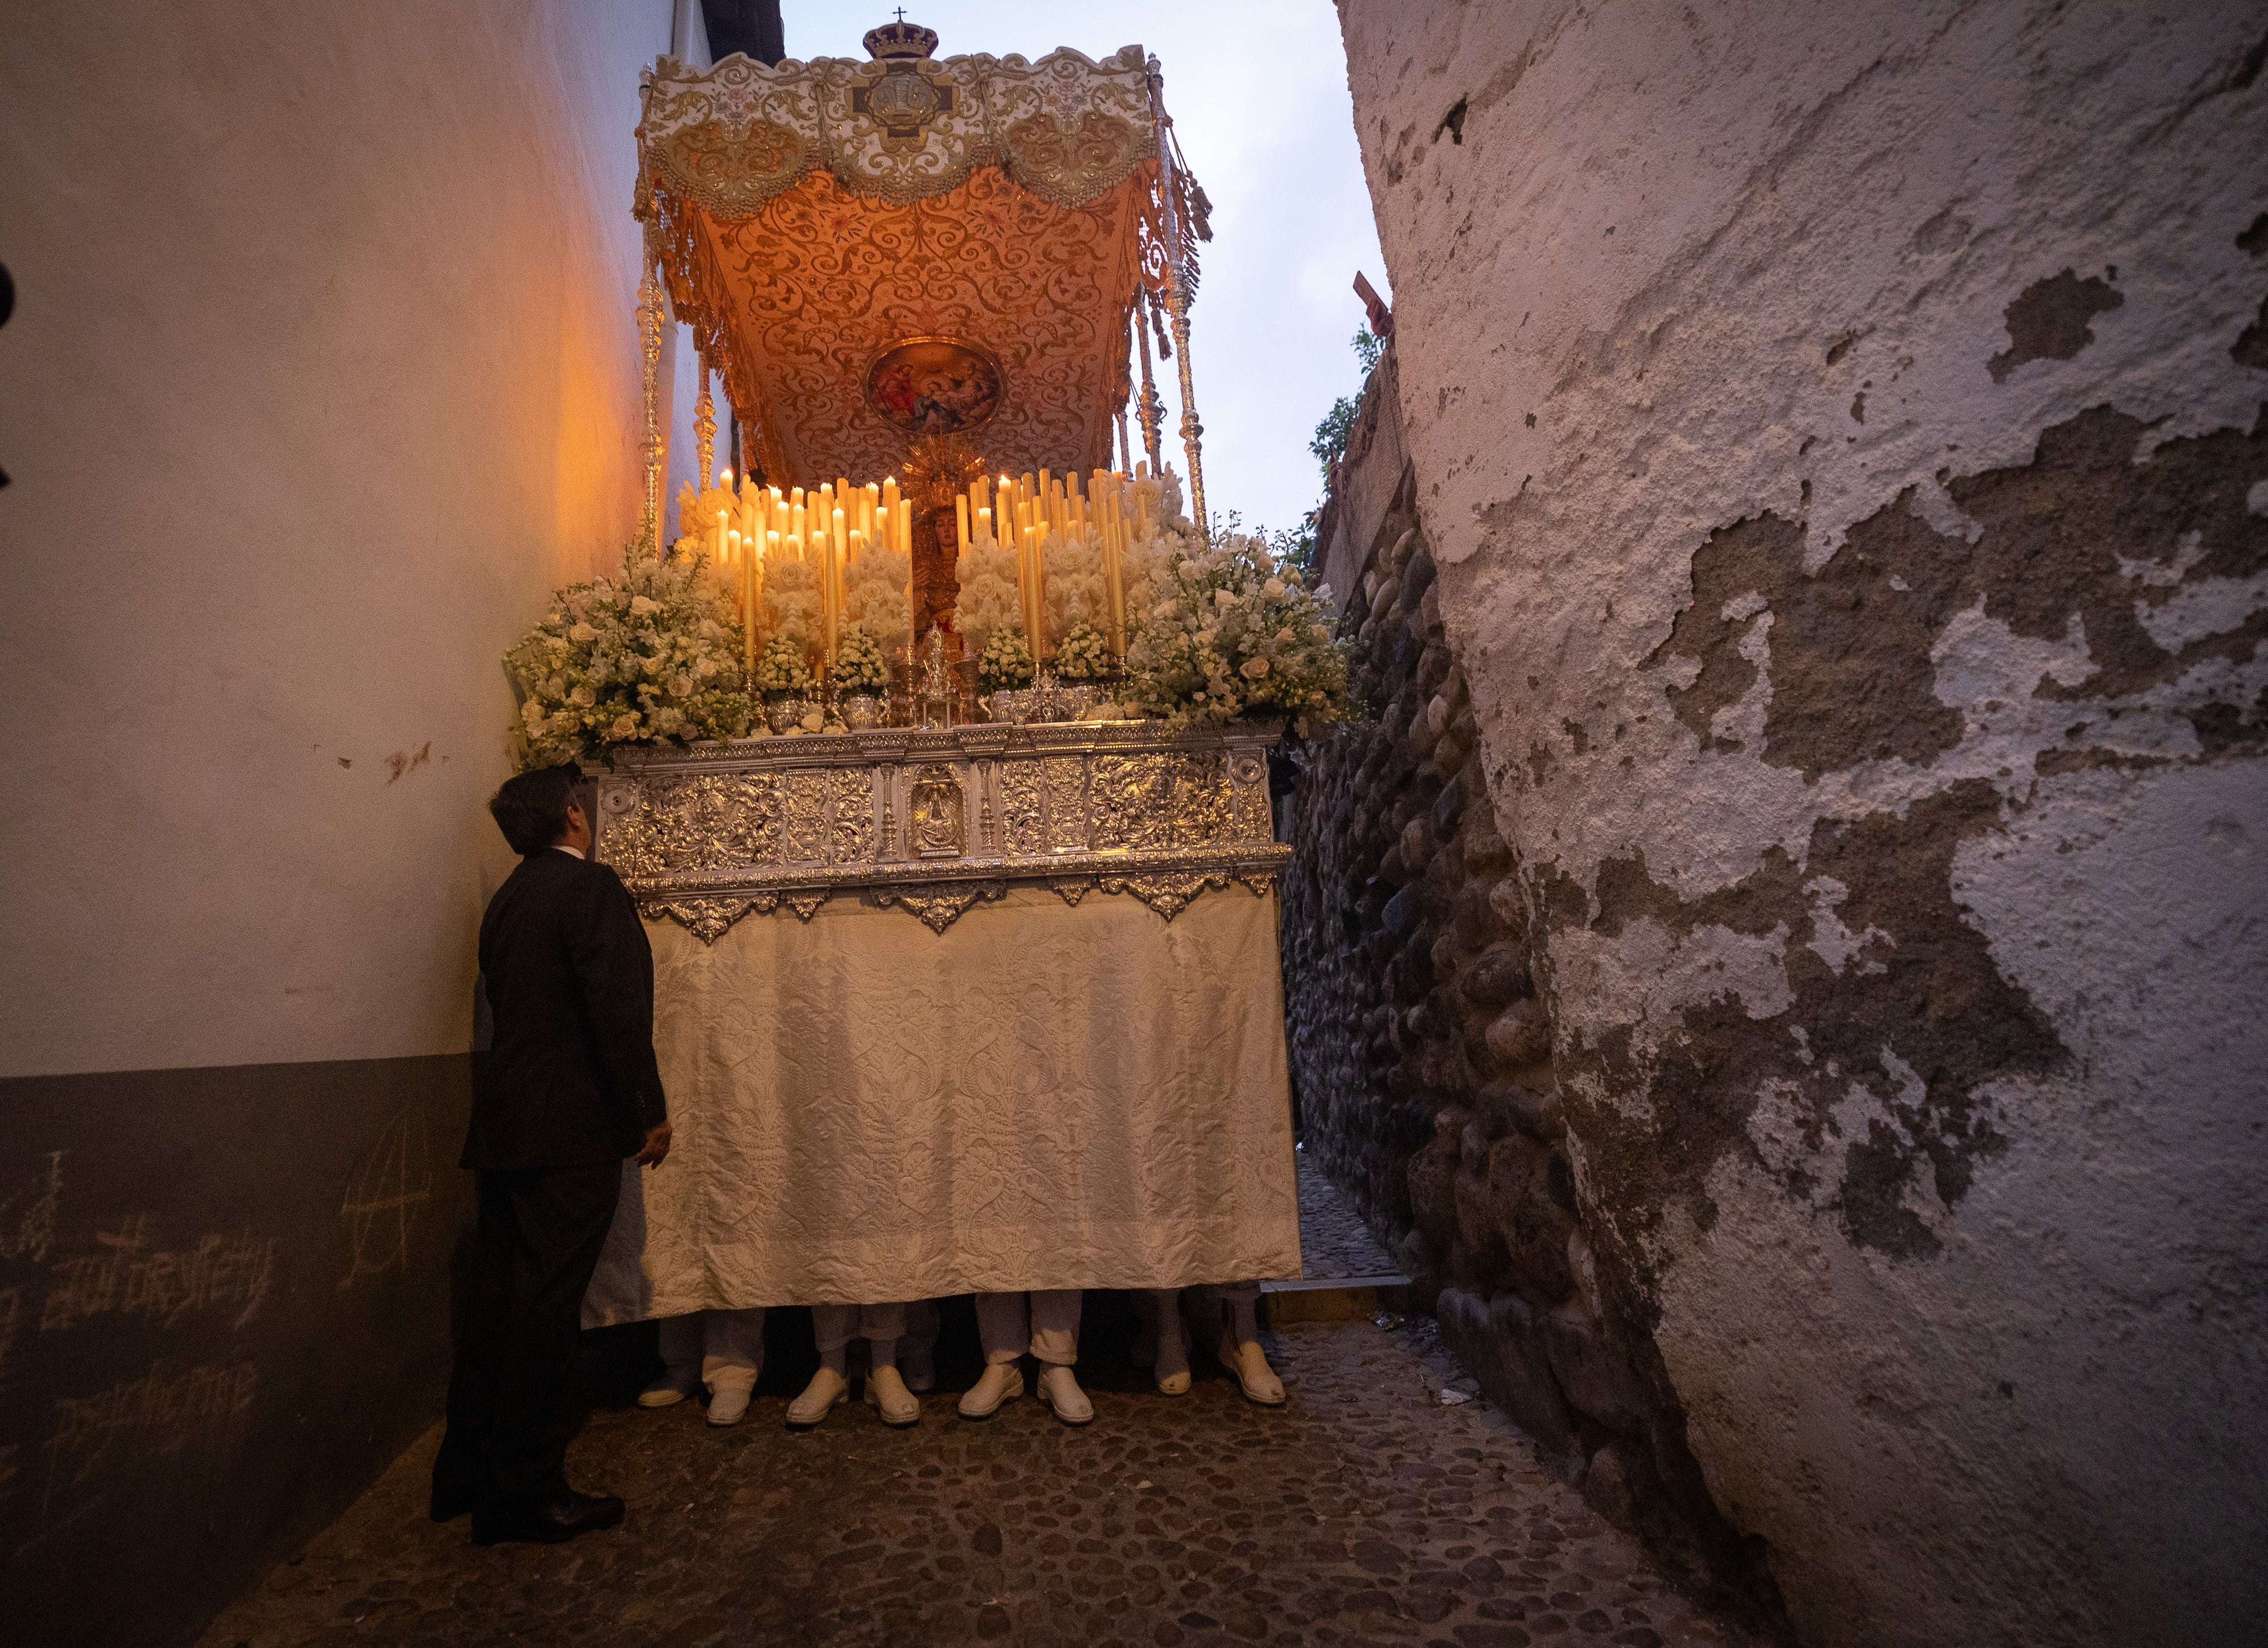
[1333,1239]
[1364,1511]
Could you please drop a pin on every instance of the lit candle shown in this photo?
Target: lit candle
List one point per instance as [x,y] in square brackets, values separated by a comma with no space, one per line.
[961,523]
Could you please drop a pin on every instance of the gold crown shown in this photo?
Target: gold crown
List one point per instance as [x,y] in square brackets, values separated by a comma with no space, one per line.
[901,39]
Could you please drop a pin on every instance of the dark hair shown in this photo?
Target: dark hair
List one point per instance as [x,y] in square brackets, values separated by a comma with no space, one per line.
[531,809]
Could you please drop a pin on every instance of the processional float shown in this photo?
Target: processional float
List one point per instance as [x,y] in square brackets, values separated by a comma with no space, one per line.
[942,271]
[935,268]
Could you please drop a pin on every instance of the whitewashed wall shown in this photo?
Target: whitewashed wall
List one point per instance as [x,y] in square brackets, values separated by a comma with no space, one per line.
[323,370]
[1840,432]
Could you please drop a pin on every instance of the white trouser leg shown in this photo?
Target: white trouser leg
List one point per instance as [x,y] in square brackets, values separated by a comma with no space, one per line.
[1002,1327]
[881,1327]
[1054,1325]
[1172,1337]
[732,1347]
[1241,1300]
[834,1326]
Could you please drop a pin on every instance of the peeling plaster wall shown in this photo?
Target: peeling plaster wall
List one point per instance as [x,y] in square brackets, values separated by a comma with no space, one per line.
[1840,434]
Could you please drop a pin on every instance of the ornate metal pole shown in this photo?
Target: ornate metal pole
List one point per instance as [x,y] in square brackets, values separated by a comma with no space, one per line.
[649,339]
[1177,306]
[704,434]
[1149,409]
[1125,447]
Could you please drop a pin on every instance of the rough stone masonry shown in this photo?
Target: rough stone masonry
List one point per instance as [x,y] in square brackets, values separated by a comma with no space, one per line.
[1785,960]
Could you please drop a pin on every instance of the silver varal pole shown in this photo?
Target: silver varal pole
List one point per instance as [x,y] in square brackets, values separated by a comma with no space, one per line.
[1149,408]
[650,342]
[1177,305]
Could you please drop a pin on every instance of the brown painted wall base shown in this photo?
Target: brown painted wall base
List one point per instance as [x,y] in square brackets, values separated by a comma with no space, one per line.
[224,1308]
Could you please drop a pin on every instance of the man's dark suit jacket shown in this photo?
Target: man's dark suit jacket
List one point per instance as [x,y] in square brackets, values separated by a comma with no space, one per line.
[570,1079]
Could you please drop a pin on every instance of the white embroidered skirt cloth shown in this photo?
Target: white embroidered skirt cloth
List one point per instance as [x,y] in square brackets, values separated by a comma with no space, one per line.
[1043,1096]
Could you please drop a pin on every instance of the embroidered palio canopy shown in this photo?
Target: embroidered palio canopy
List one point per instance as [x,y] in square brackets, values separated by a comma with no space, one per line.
[871,252]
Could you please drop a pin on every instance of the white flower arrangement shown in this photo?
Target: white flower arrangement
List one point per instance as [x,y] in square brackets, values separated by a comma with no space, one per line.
[1229,632]
[987,603]
[781,672]
[1082,655]
[790,600]
[1005,661]
[875,593]
[652,653]
[1077,591]
[859,666]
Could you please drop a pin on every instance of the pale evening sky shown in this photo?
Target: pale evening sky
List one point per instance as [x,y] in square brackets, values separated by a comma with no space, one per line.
[1258,92]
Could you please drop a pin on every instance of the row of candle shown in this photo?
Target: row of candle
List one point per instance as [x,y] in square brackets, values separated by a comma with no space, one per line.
[1027,515]
[829,526]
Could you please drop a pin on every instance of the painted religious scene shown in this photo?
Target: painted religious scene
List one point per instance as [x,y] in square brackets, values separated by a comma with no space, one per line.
[934,385]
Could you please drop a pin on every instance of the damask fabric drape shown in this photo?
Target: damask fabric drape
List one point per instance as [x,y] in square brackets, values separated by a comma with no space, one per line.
[1042,1096]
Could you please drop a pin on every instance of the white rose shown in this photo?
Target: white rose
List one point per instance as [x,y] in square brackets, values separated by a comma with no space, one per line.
[584,696]
[532,712]
[640,606]
[582,632]
[624,727]
[1254,669]
[1272,588]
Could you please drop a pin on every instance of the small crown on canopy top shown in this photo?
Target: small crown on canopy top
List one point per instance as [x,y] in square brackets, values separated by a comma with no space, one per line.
[901,39]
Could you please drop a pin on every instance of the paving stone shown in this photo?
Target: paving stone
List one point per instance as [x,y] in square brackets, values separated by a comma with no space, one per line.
[1362,1512]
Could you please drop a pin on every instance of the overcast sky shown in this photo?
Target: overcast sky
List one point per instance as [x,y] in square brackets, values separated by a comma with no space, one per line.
[1258,92]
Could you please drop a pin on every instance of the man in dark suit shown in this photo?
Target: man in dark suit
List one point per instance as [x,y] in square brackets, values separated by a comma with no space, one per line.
[567,1089]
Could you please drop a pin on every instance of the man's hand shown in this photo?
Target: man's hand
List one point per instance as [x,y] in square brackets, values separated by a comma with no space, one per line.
[656,1146]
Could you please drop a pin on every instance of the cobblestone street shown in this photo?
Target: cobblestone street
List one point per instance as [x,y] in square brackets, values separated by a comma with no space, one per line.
[1366,1510]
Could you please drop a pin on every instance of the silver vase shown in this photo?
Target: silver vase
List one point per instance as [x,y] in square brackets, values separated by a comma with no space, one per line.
[782,713]
[860,711]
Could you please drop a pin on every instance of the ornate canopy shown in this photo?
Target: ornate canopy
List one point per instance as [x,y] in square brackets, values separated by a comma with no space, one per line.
[868,252]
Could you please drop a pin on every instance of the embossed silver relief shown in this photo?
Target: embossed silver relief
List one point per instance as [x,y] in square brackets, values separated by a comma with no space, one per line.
[706,837]
[940,815]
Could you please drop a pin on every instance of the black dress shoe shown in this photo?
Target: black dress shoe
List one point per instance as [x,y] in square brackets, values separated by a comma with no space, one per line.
[550,1519]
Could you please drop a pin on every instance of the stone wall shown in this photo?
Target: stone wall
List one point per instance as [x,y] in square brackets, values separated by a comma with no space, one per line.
[1837,439]
[1423,1051]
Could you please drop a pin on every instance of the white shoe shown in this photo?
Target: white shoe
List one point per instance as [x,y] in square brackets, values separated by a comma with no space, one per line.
[668,1391]
[1250,1363]
[919,1371]
[886,1394]
[1003,1382]
[1059,1390]
[728,1404]
[825,1390]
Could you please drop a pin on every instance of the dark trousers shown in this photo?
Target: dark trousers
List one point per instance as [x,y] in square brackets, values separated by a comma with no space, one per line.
[517,1319]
